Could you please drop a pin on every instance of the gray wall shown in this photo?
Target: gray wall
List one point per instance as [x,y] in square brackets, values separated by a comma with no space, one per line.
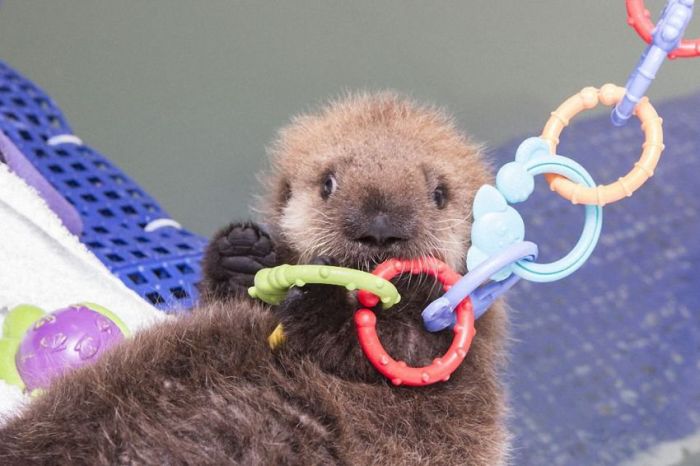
[184,95]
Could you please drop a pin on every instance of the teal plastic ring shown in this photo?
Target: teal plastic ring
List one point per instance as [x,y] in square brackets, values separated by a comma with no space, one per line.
[552,271]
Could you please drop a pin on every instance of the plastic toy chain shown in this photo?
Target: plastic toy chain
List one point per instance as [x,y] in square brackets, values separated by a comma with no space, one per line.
[639,18]
[588,98]
[498,230]
[271,285]
[497,225]
[398,371]
[498,250]
[663,40]
[439,314]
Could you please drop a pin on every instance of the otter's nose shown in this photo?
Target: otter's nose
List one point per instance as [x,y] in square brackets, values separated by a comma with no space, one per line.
[381,231]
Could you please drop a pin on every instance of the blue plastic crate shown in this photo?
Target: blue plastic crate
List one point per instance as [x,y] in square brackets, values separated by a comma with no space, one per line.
[121,224]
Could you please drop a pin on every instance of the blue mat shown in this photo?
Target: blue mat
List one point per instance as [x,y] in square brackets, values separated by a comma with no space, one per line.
[120,223]
[605,364]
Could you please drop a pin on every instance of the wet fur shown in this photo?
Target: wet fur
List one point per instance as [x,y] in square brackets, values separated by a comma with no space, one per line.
[206,389]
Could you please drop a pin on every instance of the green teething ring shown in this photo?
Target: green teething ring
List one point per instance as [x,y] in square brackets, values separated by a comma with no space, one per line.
[271,285]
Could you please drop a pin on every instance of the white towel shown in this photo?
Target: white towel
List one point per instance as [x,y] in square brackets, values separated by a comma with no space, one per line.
[41,263]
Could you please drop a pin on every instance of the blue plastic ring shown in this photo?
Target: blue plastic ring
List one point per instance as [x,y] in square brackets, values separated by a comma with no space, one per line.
[568,264]
[439,314]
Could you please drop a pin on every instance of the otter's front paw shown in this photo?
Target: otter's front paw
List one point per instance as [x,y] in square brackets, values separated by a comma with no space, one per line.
[233,257]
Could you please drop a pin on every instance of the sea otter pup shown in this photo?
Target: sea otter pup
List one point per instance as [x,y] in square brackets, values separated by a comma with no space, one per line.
[367,178]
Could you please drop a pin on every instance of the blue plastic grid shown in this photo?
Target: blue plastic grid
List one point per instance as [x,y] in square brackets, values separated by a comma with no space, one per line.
[162,265]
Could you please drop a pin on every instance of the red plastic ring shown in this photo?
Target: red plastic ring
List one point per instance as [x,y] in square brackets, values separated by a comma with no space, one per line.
[398,371]
[639,18]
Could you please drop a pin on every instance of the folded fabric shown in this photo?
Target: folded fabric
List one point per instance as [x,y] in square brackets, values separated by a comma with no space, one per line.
[43,264]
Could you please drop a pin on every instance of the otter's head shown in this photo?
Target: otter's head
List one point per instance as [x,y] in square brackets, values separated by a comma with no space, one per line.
[373,176]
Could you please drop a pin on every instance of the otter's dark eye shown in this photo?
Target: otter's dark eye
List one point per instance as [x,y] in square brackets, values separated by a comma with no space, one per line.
[440,196]
[329,186]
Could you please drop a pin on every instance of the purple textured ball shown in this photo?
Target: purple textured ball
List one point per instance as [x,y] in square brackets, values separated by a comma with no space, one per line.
[61,341]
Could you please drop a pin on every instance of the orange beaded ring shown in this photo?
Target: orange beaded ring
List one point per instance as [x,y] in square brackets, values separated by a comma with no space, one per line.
[588,98]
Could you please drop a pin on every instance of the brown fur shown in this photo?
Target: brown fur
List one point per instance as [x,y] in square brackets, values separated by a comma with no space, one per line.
[206,389]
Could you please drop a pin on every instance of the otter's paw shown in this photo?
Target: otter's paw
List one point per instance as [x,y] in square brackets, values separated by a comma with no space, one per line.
[233,257]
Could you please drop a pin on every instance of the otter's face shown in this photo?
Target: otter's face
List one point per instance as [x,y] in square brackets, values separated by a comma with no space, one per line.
[398,185]
[362,211]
